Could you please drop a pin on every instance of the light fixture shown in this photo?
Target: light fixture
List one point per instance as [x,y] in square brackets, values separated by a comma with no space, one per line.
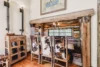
[6,3]
[54,24]
[58,23]
[22,11]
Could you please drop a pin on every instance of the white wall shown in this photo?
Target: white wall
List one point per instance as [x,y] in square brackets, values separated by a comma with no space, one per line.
[2,26]
[73,6]
[15,20]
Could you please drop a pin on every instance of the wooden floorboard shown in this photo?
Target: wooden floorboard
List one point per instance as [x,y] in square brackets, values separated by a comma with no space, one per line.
[28,63]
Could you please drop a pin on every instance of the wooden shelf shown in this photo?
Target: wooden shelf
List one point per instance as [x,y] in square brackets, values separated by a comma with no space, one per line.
[14,54]
[14,47]
[22,51]
[14,61]
[22,45]
[22,57]
[16,40]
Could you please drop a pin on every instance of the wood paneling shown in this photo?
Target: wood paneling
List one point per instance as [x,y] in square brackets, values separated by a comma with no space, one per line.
[64,17]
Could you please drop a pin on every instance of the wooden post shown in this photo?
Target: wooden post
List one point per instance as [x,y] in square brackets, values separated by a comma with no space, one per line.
[85,41]
[52,50]
[88,45]
[43,26]
[66,45]
[39,45]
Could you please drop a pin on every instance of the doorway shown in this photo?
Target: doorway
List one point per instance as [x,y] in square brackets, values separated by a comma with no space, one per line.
[54,28]
[61,43]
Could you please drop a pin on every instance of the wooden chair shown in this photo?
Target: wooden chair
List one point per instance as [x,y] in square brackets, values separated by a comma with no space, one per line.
[3,61]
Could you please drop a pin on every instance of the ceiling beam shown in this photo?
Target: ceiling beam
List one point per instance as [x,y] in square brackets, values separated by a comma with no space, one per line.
[64,17]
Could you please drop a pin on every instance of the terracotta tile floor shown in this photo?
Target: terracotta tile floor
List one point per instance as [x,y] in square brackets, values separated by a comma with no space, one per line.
[28,63]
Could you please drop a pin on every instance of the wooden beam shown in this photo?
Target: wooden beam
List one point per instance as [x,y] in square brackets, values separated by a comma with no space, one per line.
[86,41]
[88,45]
[83,43]
[64,17]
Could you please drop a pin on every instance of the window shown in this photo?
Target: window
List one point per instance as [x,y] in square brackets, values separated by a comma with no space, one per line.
[60,32]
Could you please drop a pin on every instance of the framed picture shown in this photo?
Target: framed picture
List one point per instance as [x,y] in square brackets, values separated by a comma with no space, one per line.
[49,6]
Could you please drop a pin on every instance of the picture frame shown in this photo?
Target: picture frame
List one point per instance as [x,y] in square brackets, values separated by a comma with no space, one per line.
[51,6]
